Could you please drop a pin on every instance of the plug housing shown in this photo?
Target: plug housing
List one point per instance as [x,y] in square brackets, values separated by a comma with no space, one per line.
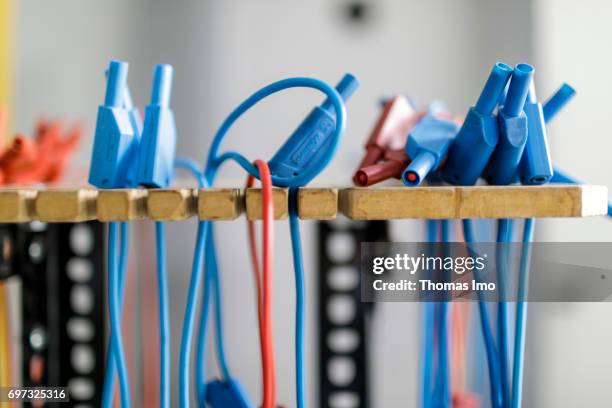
[309,142]
[392,165]
[158,143]
[556,102]
[472,148]
[395,122]
[536,164]
[227,394]
[427,146]
[505,160]
[114,135]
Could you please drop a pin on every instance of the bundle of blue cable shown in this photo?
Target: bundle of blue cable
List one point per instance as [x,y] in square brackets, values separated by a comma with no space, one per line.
[205,241]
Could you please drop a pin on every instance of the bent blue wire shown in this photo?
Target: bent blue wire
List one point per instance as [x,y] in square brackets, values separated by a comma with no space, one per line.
[504,232]
[115,315]
[521,315]
[492,355]
[164,318]
[428,330]
[111,356]
[213,163]
[298,267]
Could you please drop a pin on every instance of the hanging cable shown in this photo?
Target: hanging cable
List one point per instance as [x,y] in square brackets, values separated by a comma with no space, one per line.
[213,163]
[116,339]
[442,387]
[492,356]
[111,356]
[428,331]
[164,318]
[298,266]
[521,314]
[504,233]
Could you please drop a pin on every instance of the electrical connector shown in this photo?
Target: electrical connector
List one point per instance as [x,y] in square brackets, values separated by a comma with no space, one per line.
[556,102]
[227,394]
[472,148]
[307,146]
[427,146]
[392,165]
[158,143]
[114,133]
[536,164]
[395,122]
[505,160]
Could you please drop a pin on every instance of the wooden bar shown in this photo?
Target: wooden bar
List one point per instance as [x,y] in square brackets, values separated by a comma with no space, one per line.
[474,202]
[122,204]
[216,204]
[317,203]
[280,197]
[16,205]
[171,204]
[387,203]
[65,205]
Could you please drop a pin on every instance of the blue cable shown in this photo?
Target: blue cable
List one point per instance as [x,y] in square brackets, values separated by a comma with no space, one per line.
[201,346]
[443,378]
[115,339]
[521,315]
[428,332]
[213,164]
[211,261]
[298,267]
[164,318]
[111,357]
[504,233]
[492,356]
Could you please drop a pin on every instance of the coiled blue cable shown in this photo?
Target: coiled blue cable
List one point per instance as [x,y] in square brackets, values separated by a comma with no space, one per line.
[213,164]
[521,315]
[111,356]
[298,267]
[492,356]
[504,232]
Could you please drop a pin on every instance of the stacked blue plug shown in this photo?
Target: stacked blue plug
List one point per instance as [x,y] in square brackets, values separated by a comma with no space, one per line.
[501,140]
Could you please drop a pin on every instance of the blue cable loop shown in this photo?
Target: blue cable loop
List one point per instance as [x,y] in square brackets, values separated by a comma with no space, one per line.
[210,170]
[214,162]
[111,354]
[492,355]
[521,315]
[298,267]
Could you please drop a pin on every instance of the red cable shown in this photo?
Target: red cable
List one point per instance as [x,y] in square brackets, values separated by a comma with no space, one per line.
[264,285]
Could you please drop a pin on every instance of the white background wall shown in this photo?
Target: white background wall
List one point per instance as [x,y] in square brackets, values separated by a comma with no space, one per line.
[222,51]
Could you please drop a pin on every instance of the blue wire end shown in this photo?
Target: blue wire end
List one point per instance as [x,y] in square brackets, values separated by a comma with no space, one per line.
[477,138]
[158,144]
[558,101]
[504,163]
[427,146]
[307,146]
[114,136]
[536,164]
